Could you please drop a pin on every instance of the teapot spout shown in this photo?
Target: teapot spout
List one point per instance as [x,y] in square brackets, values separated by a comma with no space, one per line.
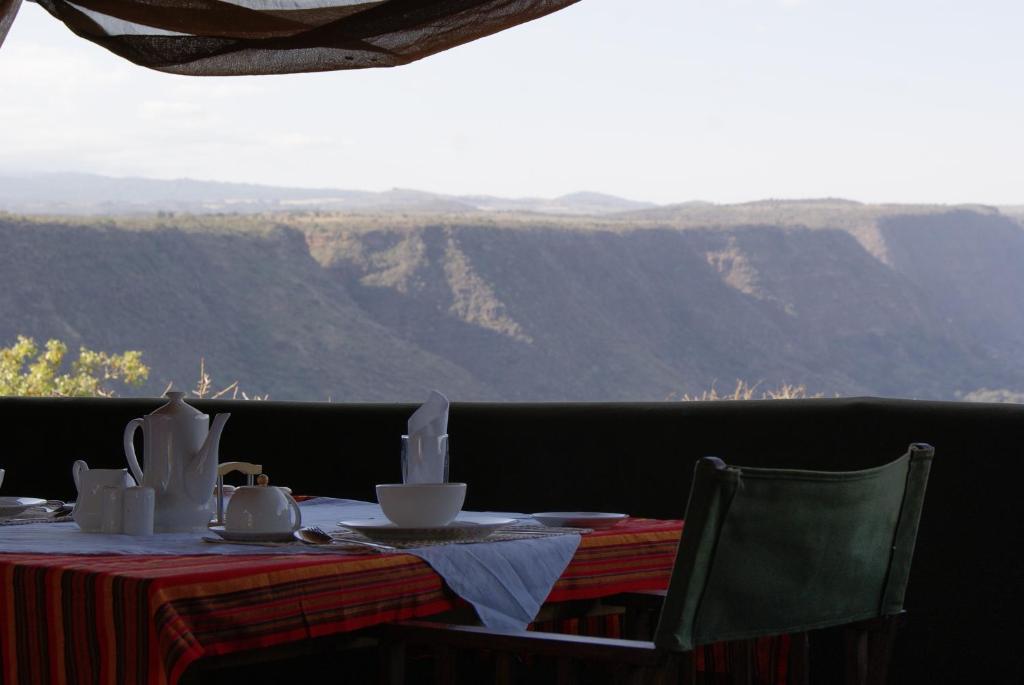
[201,474]
[212,442]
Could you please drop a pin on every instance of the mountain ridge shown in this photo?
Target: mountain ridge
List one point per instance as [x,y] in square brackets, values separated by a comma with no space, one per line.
[94,194]
[491,306]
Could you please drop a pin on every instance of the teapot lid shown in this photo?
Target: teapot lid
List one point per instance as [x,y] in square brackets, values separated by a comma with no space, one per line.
[176,406]
[263,484]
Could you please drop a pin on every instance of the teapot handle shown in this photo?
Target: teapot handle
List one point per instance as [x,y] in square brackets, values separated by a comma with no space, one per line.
[295,508]
[76,472]
[129,448]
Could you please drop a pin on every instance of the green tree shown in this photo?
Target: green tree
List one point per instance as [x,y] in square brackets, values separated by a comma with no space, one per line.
[28,371]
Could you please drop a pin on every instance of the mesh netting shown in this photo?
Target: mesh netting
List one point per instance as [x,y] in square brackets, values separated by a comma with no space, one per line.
[220,38]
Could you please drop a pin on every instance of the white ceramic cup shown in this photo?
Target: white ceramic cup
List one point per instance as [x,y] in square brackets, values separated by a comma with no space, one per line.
[262,509]
[111,508]
[421,505]
[139,503]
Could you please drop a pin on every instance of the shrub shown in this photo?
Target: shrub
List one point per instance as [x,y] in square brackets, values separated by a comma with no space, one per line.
[26,370]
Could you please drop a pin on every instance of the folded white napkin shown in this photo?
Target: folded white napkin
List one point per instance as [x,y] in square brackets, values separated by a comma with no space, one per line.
[426,451]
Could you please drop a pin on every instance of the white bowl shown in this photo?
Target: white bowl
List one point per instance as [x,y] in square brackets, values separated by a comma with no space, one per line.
[421,505]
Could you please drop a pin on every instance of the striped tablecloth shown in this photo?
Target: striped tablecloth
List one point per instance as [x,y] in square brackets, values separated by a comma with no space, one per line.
[135,619]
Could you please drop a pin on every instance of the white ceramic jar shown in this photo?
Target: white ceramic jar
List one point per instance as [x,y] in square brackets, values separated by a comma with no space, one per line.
[261,509]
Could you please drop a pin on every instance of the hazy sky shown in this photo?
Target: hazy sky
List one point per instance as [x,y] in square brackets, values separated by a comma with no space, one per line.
[662,100]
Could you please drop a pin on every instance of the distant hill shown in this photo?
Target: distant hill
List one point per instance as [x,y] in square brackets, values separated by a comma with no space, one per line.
[90,194]
[912,301]
[592,204]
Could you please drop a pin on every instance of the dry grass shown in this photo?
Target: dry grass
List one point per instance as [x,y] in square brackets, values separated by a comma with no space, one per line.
[1000,395]
[204,389]
[746,391]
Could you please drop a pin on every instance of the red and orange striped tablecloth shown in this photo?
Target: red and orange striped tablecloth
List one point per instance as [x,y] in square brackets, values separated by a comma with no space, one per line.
[136,619]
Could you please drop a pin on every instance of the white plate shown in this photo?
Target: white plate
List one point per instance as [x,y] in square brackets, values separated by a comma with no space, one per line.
[12,506]
[465,527]
[579,519]
[246,536]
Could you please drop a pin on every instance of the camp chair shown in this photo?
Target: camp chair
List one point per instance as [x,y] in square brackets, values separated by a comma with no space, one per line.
[764,552]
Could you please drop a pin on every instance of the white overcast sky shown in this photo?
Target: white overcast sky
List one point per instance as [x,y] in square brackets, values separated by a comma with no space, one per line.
[660,100]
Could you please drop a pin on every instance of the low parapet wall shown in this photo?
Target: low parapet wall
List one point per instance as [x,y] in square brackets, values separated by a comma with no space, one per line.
[965,599]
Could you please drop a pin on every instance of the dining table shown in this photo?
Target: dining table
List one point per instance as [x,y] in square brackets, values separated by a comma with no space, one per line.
[78,607]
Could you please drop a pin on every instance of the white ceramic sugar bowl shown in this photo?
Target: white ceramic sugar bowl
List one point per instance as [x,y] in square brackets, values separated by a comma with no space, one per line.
[262,509]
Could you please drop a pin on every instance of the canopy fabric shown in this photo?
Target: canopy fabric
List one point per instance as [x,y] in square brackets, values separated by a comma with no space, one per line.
[8,8]
[238,37]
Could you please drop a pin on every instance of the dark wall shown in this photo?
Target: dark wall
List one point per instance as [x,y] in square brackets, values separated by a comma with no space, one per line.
[965,597]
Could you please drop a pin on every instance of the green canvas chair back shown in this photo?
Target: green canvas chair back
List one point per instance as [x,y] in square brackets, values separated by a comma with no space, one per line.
[772,551]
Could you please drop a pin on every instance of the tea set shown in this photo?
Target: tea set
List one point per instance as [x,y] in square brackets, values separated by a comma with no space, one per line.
[172,490]
[179,485]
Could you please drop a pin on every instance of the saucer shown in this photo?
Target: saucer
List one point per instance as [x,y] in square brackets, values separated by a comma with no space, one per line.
[579,519]
[249,536]
[12,506]
[465,527]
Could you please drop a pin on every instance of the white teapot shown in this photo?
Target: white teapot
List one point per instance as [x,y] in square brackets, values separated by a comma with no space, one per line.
[263,509]
[180,458]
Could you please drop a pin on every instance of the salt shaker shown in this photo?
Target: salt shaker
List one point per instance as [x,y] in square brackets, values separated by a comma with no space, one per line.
[138,511]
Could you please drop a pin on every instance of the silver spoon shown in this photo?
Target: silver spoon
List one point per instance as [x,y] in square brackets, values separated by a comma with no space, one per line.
[314,535]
